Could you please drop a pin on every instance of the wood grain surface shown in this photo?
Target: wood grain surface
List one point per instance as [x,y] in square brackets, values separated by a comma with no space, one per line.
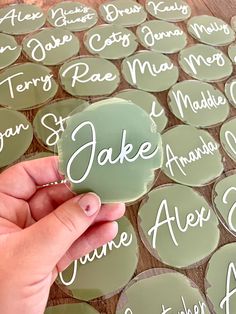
[224,9]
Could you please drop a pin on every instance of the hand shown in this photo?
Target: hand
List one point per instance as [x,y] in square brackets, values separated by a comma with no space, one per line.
[42,230]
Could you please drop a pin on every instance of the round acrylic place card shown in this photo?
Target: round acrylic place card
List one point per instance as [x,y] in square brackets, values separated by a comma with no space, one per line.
[147,102]
[220,280]
[9,50]
[75,308]
[230,90]
[104,271]
[169,10]
[210,30]
[101,150]
[51,46]
[228,138]
[173,217]
[150,71]
[26,86]
[50,121]
[223,198]
[110,41]
[205,63]
[161,291]
[161,36]
[197,103]
[123,12]
[73,16]
[89,76]
[191,156]
[16,135]
[20,19]
[232,52]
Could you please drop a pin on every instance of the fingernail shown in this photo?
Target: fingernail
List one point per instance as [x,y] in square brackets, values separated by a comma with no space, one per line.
[90,203]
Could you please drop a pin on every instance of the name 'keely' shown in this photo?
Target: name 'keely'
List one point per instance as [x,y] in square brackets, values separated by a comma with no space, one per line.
[105,156]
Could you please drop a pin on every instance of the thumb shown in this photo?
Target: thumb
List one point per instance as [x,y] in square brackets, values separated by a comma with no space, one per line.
[50,238]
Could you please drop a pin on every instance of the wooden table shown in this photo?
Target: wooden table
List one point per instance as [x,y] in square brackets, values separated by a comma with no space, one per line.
[220,8]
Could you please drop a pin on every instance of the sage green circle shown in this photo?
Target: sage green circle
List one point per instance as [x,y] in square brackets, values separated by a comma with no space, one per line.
[122,12]
[169,10]
[147,102]
[223,199]
[164,291]
[110,41]
[161,36]
[16,135]
[113,162]
[228,138]
[230,90]
[27,85]
[191,156]
[9,50]
[150,71]
[51,46]
[75,308]
[205,63]
[232,52]
[173,217]
[106,270]
[220,267]
[233,23]
[49,122]
[21,19]
[89,76]
[198,103]
[73,16]
[210,30]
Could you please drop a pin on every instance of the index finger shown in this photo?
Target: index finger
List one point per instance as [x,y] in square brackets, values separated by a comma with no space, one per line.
[23,179]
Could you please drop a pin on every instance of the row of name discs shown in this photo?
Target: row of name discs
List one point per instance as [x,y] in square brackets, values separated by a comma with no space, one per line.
[176,292]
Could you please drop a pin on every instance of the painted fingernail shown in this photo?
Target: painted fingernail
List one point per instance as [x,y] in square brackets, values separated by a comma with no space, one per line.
[90,203]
